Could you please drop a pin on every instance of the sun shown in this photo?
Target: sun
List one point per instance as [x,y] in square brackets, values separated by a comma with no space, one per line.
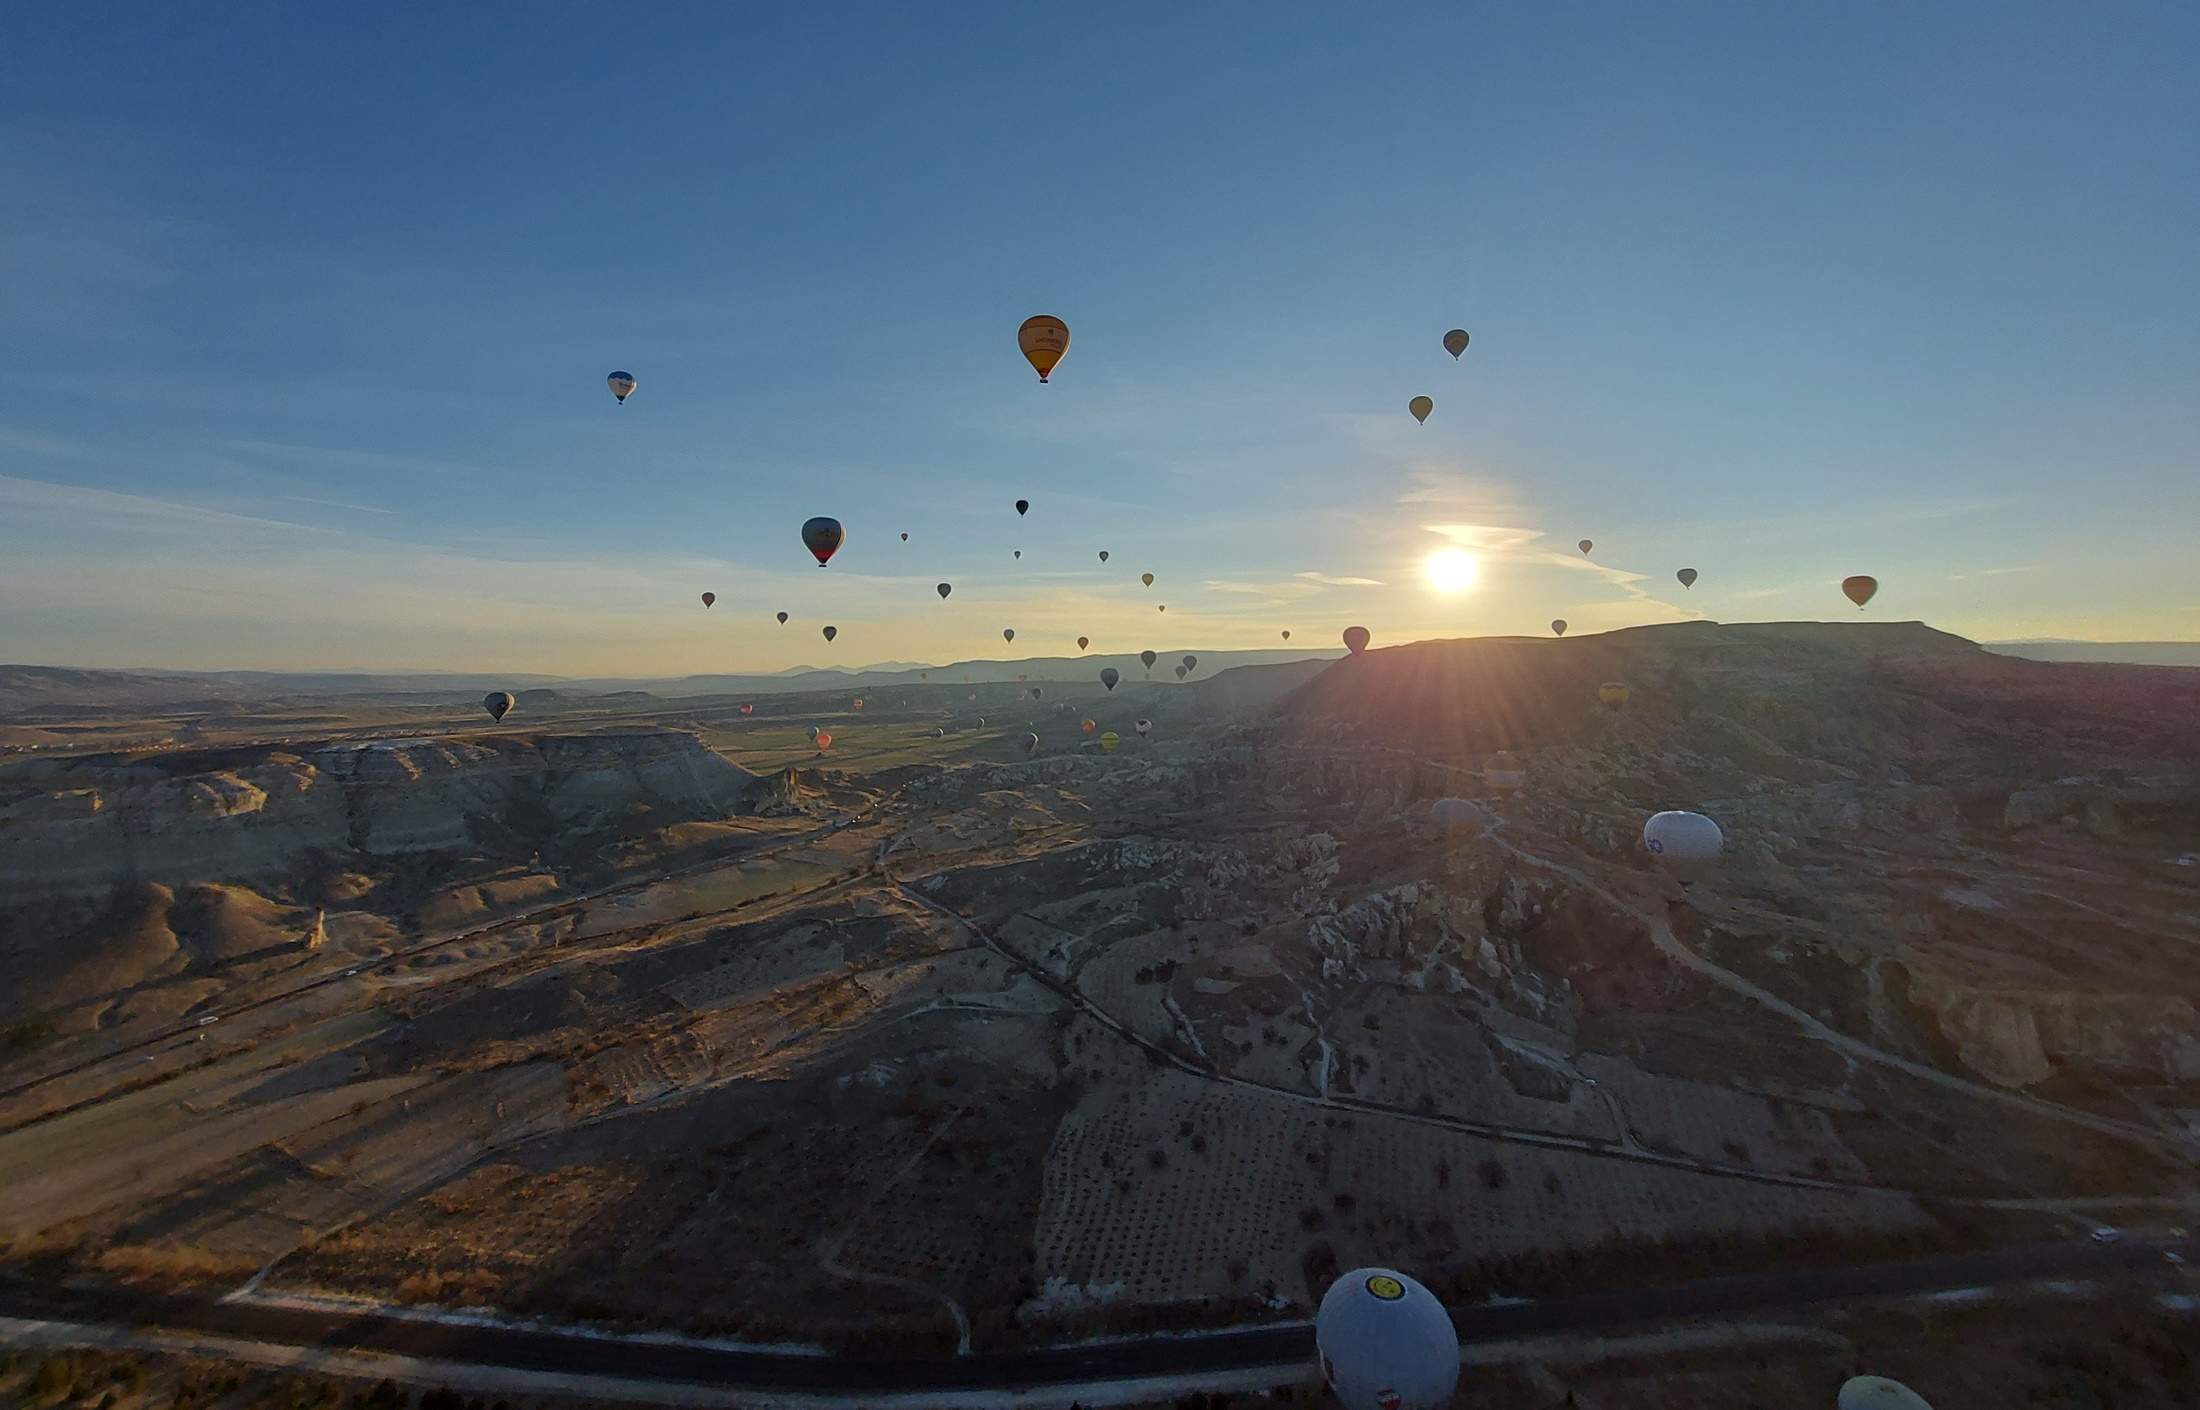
[1451,571]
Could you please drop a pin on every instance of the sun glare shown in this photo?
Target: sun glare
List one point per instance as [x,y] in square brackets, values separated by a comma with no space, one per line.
[1451,571]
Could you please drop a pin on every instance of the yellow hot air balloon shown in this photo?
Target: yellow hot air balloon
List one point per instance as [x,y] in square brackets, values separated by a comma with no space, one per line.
[1612,695]
[1108,742]
[1044,338]
[1421,407]
[1859,589]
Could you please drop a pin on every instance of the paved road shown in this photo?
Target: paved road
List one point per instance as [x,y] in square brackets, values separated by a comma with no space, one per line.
[558,1352]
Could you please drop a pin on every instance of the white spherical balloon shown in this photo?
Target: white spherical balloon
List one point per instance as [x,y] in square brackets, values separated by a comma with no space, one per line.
[1386,1343]
[1688,844]
[1878,1393]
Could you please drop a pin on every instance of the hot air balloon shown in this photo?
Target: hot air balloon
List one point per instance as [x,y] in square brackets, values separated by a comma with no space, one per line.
[1191,663]
[945,589]
[1103,555]
[905,536]
[813,731]
[1083,642]
[1008,633]
[1455,342]
[859,702]
[1687,576]
[1019,555]
[1161,607]
[1877,1393]
[1504,773]
[1612,695]
[1356,639]
[1146,578]
[1558,626]
[1145,727]
[831,632]
[1108,742]
[1287,634]
[622,385]
[782,619]
[498,703]
[1585,545]
[1031,744]
[981,718]
[1035,691]
[1686,843]
[824,741]
[1181,672]
[823,537]
[1109,676]
[939,734]
[1460,815]
[1148,658]
[1386,1343]
[1023,506]
[1043,338]
[1859,589]
[709,598]
[1421,407]
[748,710]
[1087,726]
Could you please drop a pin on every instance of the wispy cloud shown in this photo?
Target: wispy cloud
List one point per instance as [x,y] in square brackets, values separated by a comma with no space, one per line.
[1330,580]
[1990,572]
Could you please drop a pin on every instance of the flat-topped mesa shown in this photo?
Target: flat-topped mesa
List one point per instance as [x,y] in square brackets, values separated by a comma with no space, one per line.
[245,815]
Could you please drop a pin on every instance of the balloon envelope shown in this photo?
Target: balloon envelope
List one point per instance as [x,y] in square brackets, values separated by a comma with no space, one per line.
[945,589]
[1878,1393]
[1109,740]
[709,598]
[1023,506]
[813,731]
[1859,589]
[831,632]
[1455,342]
[1145,727]
[1558,626]
[1148,658]
[1356,639]
[1146,578]
[1031,742]
[1687,577]
[1687,843]
[1421,407]
[748,709]
[1103,555]
[823,537]
[1083,642]
[782,619]
[1612,695]
[1585,545]
[1191,663]
[622,385]
[1008,633]
[1386,1343]
[1087,726]
[1460,815]
[1287,634]
[824,741]
[1180,672]
[1109,677]
[498,703]
[1043,338]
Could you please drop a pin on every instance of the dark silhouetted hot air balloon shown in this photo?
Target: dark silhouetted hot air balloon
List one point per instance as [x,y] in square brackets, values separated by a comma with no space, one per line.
[831,632]
[1356,639]
[905,536]
[709,598]
[498,703]
[944,589]
[1103,555]
[1455,342]
[1181,672]
[1859,589]
[1585,545]
[1687,576]
[1286,633]
[1043,338]
[823,537]
[1558,626]
[1023,506]
[782,619]
[1148,658]
[1146,578]
[1109,676]
[1191,663]
[1008,633]
[1083,642]
[1421,407]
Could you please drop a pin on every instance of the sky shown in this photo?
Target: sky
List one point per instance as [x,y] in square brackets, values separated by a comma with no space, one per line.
[307,317]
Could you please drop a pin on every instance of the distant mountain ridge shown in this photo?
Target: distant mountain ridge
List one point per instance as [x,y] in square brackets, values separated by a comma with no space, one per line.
[2127,653]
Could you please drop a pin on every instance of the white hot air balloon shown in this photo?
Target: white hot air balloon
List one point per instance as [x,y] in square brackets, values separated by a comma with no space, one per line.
[1687,844]
[1460,815]
[1878,1393]
[1505,773]
[1386,1343]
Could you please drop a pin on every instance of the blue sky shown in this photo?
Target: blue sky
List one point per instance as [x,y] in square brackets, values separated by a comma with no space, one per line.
[309,313]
